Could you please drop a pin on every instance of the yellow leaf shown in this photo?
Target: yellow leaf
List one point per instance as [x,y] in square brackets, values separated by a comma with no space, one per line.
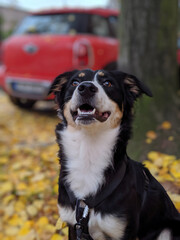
[26,228]
[153,155]
[166,177]
[11,231]
[56,188]
[3,160]
[17,165]
[3,177]
[16,221]
[23,215]
[151,134]
[30,235]
[1,236]
[42,221]
[50,228]
[24,231]
[60,224]
[163,171]
[65,231]
[166,125]
[175,169]
[153,169]
[19,206]
[176,199]
[38,204]
[57,237]
[38,177]
[32,210]
[21,186]
[9,210]
[170,138]
[8,198]
[148,141]
[6,187]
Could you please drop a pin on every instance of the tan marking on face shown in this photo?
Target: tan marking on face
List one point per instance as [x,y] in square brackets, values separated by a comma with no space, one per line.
[81,74]
[68,115]
[101,73]
[132,85]
[58,86]
[115,117]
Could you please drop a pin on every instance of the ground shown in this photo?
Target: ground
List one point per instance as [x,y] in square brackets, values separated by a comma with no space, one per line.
[29,173]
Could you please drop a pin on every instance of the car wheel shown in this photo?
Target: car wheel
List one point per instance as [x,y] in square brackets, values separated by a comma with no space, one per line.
[22,102]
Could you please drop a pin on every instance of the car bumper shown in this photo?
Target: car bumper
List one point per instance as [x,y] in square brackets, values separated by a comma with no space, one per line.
[27,88]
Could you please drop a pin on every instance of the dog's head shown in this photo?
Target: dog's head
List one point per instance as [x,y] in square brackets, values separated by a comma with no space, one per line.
[96,98]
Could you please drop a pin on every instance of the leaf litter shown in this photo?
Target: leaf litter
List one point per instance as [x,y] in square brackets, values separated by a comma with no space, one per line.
[29,174]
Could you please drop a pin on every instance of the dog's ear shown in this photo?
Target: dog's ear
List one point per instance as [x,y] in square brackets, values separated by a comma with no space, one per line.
[135,86]
[59,81]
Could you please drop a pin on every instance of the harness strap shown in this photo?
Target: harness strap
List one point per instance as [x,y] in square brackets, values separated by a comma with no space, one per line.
[106,191]
[145,188]
[109,189]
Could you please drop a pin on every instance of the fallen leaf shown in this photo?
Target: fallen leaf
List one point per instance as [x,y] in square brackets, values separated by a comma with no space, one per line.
[151,135]
[166,125]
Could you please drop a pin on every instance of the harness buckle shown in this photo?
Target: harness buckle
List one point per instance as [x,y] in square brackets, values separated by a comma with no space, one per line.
[82,218]
[79,230]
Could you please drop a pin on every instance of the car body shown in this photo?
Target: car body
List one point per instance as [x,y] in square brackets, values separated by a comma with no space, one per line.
[50,42]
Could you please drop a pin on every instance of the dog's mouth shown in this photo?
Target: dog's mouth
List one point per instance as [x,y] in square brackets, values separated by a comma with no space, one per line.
[87,112]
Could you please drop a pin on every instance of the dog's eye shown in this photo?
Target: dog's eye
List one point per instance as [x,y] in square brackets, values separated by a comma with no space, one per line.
[107,84]
[75,83]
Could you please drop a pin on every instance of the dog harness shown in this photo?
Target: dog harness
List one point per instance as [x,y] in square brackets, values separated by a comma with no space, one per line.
[83,206]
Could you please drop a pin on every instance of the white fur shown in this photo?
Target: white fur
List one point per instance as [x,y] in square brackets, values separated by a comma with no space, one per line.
[67,215]
[165,235]
[99,225]
[109,225]
[88,154]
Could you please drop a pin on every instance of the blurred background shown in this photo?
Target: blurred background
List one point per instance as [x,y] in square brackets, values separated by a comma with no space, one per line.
[42,39]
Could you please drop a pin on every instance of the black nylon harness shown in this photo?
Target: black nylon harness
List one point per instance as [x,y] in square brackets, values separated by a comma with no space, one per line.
[82,206]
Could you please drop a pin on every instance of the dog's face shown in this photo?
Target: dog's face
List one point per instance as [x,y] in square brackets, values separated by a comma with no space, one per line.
[96,98]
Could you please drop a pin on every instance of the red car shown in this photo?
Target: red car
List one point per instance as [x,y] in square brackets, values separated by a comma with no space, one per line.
[48,43]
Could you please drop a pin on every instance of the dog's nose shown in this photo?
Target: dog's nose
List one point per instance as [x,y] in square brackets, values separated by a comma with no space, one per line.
[87,89]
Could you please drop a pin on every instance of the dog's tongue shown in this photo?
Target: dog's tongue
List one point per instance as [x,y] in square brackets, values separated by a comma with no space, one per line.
[102,116]
[105,114]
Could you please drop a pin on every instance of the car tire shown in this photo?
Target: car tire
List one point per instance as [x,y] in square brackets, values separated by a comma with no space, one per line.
[22,102]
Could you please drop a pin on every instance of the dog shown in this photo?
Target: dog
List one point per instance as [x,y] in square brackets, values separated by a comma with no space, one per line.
[103,194]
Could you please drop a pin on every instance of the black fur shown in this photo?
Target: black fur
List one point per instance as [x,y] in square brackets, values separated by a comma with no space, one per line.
[148,211]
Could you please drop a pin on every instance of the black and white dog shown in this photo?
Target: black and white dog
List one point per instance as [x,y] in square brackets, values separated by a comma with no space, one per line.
[103,194]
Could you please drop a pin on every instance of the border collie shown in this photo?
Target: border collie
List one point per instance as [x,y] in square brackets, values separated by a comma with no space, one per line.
[103,194]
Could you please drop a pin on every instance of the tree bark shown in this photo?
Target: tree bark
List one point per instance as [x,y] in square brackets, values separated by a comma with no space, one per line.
[148,49]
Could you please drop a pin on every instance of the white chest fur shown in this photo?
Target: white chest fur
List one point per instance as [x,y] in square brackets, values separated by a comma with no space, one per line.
[99,226]
[88,155]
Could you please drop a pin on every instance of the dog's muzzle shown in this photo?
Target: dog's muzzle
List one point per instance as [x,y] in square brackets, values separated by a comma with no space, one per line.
[86,110]
[87,89]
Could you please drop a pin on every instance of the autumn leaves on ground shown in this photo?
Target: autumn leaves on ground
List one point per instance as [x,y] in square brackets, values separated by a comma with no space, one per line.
[29,173]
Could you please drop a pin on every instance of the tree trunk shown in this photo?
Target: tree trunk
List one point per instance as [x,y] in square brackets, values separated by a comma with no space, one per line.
[148,45]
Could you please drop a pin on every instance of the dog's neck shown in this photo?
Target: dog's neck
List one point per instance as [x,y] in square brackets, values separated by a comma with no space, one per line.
[88,154]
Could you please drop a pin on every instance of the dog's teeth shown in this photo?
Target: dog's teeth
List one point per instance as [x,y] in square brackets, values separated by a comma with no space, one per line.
[93,111]
[79,111]
[86,112]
